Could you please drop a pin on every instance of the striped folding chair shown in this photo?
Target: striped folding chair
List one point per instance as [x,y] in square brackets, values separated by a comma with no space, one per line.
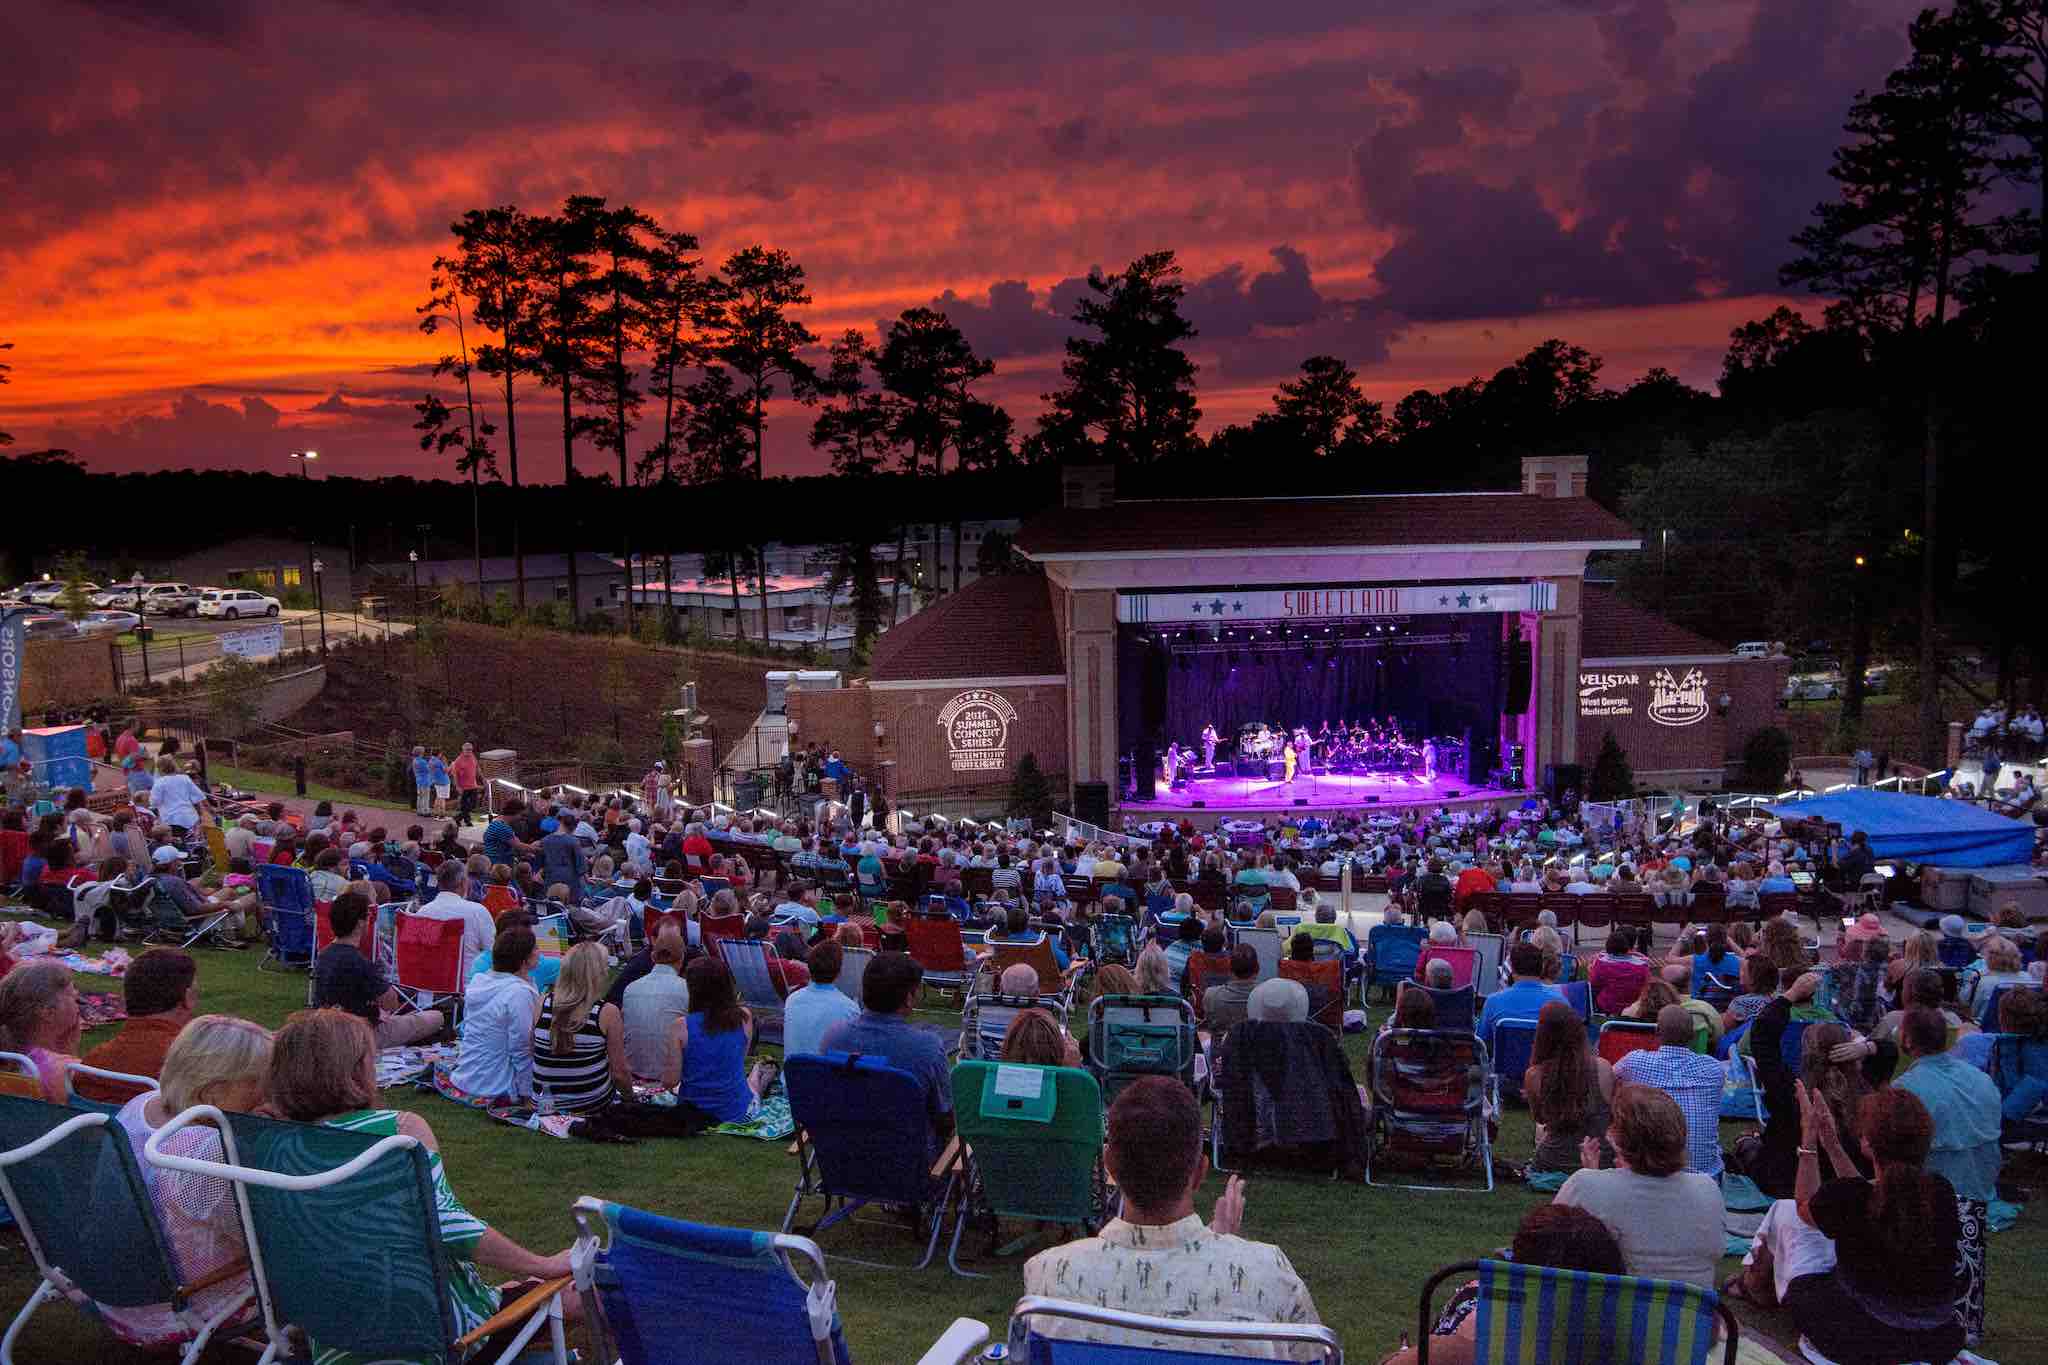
[1574,1317]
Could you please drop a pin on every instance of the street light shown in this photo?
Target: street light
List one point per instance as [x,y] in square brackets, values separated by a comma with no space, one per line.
[320,602]
[414,556]
[305,459]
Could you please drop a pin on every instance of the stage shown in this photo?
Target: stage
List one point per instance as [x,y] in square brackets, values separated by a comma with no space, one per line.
[1353,793]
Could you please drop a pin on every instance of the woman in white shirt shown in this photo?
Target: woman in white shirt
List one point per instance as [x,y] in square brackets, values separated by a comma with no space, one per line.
[174,797]
[499,1011]
[1668,1219]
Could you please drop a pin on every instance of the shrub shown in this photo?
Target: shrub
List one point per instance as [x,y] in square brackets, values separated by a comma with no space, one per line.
[1765,756]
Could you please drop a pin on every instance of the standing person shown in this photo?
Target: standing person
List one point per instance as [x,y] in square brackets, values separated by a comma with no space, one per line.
[468,785]
[1429,760]
[437,775]
[1209,746]
[174,797]
[134,763]
[422,781]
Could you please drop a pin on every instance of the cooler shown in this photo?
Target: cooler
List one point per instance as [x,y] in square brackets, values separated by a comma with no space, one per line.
[1943,889]
[57,756]
[1992,887]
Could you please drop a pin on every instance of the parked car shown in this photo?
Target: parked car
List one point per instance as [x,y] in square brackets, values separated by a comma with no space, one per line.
[234,603]
[169,599]
[51,628]
[110,622]
[1813,687]
[44,591]
[1757,649]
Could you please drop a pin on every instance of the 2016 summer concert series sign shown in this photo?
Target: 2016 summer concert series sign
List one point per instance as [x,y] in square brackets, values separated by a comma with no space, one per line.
[977,726]
[1334,602]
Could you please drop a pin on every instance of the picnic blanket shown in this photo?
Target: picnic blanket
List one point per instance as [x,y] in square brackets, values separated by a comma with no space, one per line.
[95,1010]
[115,963]
[772,1122]
[397,1065]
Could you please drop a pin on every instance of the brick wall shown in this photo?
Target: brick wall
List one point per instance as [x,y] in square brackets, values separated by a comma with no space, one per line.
[1619,698]
[835,716]
[930,769]
[66,673]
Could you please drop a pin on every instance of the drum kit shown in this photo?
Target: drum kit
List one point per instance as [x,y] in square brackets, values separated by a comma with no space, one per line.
[1358,750]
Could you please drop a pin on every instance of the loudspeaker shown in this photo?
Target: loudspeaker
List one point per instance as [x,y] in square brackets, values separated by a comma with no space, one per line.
[1301,800]
[1201,805]
[1372,800]
[1152,691]
[1559,778]
[1145,771]
[1519,671]
[1452,793]
[1091,802]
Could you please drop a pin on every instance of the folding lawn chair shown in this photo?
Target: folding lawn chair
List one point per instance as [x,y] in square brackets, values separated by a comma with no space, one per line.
[1434,1100]
[1742,1064]
[57,1162]
[1298,1119]
[1579,995]
[1619,1037]
[2008,1054]
[1056,989]
[1456,1008]
[1464,963]
[1492,950]
[216,846]
[1032,1138]
[1574,1317]
[1512,1044]
[123,1085]
[659,1291]
[1324,976]
[986,1019]
[286,894]
[1205,1341]
[1718,991]
[1115,936]
[713,927]
[1140,1035]
[1266,943]
[938,948]
[1391,951]
[864,1136]
[429,961]
[748,960]
[305,1189]
[853,968]
[18,1076]
[1203,971]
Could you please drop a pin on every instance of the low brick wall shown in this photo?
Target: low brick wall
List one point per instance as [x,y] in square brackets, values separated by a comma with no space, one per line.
[66,673]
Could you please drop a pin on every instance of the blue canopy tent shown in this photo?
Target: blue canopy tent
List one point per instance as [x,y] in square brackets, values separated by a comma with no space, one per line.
[1921,829]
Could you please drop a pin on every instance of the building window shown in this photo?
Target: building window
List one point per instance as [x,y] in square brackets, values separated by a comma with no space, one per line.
[289,577]
[561,592]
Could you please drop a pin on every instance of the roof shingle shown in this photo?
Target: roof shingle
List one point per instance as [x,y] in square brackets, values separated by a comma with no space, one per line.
[1002,626]
[1169,524]
[1615,628]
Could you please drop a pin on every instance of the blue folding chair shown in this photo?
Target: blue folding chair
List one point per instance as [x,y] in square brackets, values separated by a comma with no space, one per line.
[1140,1035]
[2009,1052]
[1391,952]
[1791,1050]
[1456,1006]
[1579,995]
[1207,1341]
[863,1136]
[286,894]
[1116,938]
[661,1290]
[1512,1044]
[749,962]
[1575,1317]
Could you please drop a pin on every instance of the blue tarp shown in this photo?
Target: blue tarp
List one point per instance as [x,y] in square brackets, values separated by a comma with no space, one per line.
[1923,829]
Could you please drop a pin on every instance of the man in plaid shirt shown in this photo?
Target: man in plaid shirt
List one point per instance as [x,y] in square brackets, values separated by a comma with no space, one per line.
[1692,1079]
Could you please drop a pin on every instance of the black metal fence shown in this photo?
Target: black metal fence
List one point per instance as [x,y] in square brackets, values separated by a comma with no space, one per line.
[177,654]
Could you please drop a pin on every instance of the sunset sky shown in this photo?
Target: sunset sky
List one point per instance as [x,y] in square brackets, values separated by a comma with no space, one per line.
[217,216]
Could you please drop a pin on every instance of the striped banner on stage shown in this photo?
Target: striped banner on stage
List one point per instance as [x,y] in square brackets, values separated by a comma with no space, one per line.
[1334,602]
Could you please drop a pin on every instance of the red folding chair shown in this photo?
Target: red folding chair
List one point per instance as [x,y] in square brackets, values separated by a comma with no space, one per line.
[1619,1037]
[936,945]
[1325,975]
[430,961]
[13,853]
[499,898]
[711,928]
[1203,971]
[1464,964]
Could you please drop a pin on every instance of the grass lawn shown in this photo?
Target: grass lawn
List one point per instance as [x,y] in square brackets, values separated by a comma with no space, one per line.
[1363,1251]
[161,637]
[276,784]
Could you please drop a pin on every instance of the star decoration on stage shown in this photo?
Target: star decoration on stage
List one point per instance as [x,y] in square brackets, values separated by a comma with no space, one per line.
[1482,599]
[1444,601]
[1216,607]
[1464,599]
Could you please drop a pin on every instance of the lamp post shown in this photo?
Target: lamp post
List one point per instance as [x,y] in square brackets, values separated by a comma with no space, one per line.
[320,604]
[414,556]
[135,591]
[305,459]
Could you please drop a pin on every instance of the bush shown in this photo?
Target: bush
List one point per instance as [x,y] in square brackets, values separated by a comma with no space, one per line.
[1612,779]
[1031,792]
[1765,757]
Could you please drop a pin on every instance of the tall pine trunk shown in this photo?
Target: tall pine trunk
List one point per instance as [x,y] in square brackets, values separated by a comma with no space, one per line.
[512,459]
[569,489]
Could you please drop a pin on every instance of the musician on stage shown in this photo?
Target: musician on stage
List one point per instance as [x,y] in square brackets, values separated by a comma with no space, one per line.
[1208,746]
[1171,762]
[1287,756]
[1304,754]
[1429,760]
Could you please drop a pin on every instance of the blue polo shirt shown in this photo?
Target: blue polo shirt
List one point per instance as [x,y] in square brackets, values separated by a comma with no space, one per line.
[498,837]
[1523,1000]
[904,1046]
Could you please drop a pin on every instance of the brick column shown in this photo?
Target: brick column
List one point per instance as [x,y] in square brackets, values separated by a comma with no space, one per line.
[1091,685]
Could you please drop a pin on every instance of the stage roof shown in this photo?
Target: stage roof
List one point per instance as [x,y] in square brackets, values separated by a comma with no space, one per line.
[1411,521]
[1616,628]
[1924,829]
[1000,626]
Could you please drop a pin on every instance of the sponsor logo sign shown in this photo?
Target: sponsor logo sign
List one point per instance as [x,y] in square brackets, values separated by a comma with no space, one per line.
[977,725]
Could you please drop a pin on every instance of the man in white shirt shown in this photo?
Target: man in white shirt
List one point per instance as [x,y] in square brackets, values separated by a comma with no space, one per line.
[800,904]
[240,836]
[479,930]
[638,850]
[1157,1257]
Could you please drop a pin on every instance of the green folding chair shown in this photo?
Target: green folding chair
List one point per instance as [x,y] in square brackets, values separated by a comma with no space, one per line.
[345,1243]
[57,1162]
[1530,1313]
[1033,1142]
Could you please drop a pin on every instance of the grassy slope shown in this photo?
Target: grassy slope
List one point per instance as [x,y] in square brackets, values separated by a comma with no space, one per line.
[1363,1251]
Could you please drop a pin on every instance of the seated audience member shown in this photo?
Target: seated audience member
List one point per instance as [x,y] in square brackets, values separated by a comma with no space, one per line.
[1550,943]
[2022,1015]
[167,864]
[1035,1038]
[1759,986]
[217,1060]
[1525,998]
[810,1012]
[1157,1249]
[651,1007]
[39,1019]
[579,1050]
[1714,958]
[500,1009]
[1866,1268]
[1831,1070]
[1922,990]
[1617,974]
[479,930]
[345,977]
[1558,1236]
[1965,1107]
[1667,1219]
[546,966]
[888,996]
[1569,1089]
[2002,967]
[1224,1006]
[1692,1080]
[323,1069]
[161,995]
[710,1056]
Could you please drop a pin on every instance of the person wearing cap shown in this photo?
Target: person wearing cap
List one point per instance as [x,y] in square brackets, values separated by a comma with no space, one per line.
[167,865]
[240,836]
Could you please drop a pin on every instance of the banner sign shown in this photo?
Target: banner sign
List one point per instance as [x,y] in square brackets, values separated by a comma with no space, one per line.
[13,658]
[1334,602]
[1673,701]
[977,726]
[265,642]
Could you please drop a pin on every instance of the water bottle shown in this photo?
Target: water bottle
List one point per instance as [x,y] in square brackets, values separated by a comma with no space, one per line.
[996,1351]
[544,1099]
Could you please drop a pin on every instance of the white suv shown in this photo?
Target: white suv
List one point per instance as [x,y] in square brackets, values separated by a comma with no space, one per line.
[234,603]
[152,599]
